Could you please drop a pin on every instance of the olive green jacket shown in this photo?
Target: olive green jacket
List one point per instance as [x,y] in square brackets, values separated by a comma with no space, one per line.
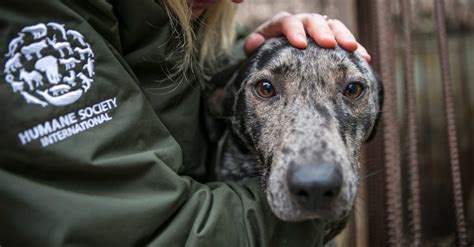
[99,147]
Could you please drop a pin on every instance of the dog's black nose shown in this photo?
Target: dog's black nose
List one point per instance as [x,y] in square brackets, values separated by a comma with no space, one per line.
[314,186]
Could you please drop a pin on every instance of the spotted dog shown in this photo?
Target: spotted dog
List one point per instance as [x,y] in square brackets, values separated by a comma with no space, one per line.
[297,118]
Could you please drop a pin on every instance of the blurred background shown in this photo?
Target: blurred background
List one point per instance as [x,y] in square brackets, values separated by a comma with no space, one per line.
[438,220]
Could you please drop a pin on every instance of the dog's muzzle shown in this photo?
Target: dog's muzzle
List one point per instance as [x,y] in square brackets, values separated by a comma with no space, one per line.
[314,186]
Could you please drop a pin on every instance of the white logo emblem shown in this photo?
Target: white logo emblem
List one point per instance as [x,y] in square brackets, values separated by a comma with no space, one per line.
[49,64]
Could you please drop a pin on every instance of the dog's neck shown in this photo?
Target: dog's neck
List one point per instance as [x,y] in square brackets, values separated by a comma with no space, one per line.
[237,162]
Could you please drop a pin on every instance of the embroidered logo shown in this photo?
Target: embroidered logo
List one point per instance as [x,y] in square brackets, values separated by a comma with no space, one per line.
[49,64]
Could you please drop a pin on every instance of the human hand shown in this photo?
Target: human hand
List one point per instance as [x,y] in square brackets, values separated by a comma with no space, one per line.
[326,33]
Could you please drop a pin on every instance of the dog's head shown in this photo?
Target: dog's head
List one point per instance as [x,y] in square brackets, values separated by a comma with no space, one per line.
[305,114]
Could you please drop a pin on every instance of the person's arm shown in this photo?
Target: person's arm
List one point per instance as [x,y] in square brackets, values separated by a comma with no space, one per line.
[86,161]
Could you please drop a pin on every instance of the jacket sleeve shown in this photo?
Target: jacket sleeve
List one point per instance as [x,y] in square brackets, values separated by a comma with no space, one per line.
[88,162]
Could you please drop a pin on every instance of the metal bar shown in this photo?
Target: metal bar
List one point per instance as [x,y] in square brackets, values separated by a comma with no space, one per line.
[451,124]
[374,151]
[394,216]
[414,209]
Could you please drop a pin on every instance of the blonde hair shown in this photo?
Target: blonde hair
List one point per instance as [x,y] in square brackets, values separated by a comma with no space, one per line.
[201,48]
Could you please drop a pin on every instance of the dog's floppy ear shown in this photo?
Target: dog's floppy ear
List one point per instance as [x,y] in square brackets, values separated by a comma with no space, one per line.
[374,127]
[221,93]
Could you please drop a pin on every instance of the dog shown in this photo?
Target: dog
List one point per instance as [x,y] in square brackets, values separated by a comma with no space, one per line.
[297,118]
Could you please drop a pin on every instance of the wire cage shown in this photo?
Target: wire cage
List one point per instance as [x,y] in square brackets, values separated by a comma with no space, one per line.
[400,205]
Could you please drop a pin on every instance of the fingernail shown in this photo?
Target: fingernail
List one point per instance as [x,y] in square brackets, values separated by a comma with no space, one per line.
[368,58]
[301,37]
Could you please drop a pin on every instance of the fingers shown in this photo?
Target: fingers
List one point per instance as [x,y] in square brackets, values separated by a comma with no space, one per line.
[252,42]
[343,35]
[282,23]
[317,27]
[295,28]
[363,52]
[346,40]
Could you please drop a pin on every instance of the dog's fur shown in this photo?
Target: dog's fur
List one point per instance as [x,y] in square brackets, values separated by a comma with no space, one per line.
[308,121]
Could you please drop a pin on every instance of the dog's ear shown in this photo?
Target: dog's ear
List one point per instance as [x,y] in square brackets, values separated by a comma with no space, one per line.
[371,133]
[221,95]
[219,101]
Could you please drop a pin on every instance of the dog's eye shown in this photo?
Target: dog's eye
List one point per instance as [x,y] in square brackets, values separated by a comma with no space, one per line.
[354,90]
[265,89]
